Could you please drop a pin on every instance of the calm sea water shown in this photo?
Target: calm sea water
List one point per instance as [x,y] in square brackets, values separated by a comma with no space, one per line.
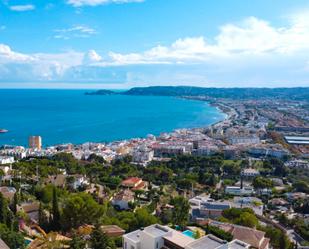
[62,116]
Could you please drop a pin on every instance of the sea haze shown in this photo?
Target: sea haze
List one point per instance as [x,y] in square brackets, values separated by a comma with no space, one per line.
[63,116]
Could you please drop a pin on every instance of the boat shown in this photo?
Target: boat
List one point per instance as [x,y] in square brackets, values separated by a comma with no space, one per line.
[3,131]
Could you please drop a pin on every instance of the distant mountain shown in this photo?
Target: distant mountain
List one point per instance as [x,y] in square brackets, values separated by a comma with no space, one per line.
[101,92]
[297,93]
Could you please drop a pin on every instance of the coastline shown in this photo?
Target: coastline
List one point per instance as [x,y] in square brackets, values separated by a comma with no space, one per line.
[203,118]
[228,111]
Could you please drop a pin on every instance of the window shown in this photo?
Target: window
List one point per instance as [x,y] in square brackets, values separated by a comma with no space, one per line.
[125,245]
[132,247]
[157,245]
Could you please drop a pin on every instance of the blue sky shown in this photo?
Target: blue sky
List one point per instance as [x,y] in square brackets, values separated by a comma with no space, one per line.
[125,43]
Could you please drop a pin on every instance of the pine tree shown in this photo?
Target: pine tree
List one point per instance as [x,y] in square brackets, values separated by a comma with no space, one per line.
[42,218]
[55,212]
[15,203]
[15,225]
[99,239]
[77,242]
[3,209]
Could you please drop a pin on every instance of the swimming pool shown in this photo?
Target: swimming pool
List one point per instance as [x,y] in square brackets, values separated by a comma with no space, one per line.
[28,241]
[189,233]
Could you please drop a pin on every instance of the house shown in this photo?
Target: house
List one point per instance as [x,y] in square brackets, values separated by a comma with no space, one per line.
[254,203]
[277,182]
[6,160]
[112,230]
[250,173]
[169,150]
[98,191]
[134,183]
[123,199]
[244,140]
[142,155]
[3,245]
[8,192]
[212,242]
[40,243]
[109,230]
[277,202]
[31,209]
[77,181]
[296,196]
[57,180]
[204,207]
[163,237]
[254,238]
[235,190]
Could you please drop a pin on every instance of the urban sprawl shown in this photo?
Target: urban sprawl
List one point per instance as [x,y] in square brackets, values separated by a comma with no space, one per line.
[240,183]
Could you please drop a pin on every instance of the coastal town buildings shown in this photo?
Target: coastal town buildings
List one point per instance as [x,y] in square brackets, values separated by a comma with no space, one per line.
[35,142]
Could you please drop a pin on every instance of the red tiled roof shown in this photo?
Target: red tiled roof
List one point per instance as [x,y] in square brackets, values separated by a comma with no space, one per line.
[131,181]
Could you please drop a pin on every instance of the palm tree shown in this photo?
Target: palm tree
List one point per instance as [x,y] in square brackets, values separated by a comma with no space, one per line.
[51,240]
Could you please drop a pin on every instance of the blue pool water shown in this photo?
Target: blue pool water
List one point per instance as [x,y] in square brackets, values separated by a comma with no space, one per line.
[62,116]
[189,233]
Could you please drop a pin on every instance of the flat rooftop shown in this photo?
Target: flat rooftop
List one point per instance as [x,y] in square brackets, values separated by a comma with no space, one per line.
[157,230]
[207,242]
[300,138]
[134,236]
[237,244]
[178,238]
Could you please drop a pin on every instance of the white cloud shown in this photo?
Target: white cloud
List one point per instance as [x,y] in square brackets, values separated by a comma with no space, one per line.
[80,3]
[251,37]
[7,55]
[249,52]
[92,57]
[79,31]
[15,66]
[20,8]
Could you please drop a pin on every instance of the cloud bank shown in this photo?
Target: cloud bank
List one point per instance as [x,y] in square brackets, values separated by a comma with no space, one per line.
[249,53]
[80,3]
[21,8]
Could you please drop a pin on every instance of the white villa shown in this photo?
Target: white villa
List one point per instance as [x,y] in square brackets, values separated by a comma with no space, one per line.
[163,237]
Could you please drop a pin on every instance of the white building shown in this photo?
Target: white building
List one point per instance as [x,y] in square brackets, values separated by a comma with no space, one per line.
[79,181]
[250,172]
[6,160]
[123,199]
[234,190]
[244,140]
[163,237]
[142,155]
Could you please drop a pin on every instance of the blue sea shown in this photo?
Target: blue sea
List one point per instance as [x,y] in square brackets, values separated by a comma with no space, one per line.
[70,116]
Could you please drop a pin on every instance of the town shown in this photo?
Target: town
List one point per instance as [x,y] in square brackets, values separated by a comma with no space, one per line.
[240,183]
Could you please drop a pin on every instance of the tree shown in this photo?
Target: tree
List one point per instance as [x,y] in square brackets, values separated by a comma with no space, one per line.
[80,208]
[99,239]
[3,209]
[55,226]
[14,203]
[277,238]
[95,158]
[13,239]
[144,218]
[166,216]
[301,186]
[244,217]
[43,222]
[180,211]
[247,219]
[218,232]
[49,241]
[77,242]
[261,182]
